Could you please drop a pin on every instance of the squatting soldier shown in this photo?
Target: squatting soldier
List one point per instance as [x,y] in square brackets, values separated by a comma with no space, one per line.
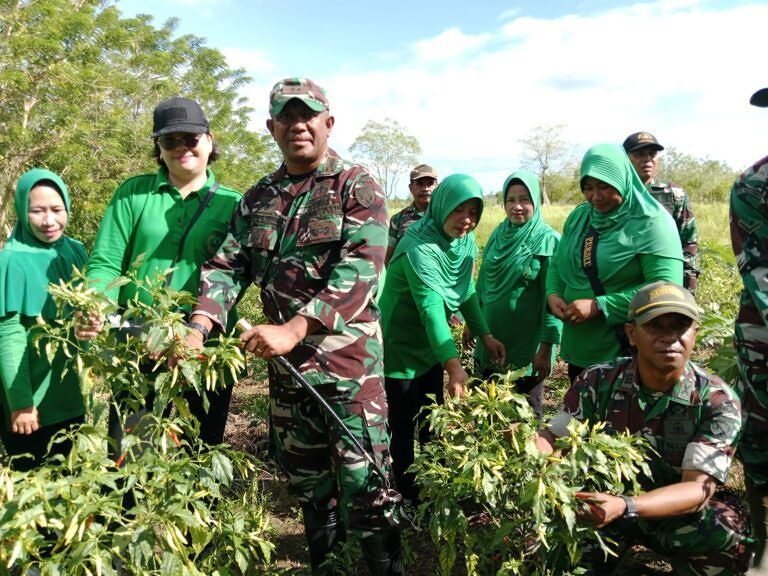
[643,151]
[423,183]
[749,236]
[313,236]
[690,417]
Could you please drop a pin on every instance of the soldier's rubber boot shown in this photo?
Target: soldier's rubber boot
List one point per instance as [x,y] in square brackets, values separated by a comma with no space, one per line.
[383,553]
[324,530]
[757,498]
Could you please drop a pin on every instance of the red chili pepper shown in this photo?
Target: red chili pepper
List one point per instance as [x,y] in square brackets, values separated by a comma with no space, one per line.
[120,460]
[175,438]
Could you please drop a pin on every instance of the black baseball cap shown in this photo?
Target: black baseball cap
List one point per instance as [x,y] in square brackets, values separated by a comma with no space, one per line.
[641,140]
[179,115]
[760,98]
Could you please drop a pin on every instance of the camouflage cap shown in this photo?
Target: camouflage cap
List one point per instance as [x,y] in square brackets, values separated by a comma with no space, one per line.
[641,140]
[423,171]
[659,298]
[303,89]
[760,98]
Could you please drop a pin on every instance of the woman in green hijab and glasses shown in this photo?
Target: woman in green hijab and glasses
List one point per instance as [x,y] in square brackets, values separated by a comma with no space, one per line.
[511,287]
[618,241]
[428,279]
[38,398]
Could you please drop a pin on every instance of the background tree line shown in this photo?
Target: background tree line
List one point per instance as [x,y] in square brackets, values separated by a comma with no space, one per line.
[79,82]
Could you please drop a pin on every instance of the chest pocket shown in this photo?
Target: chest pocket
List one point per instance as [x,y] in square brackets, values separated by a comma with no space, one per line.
[319,235]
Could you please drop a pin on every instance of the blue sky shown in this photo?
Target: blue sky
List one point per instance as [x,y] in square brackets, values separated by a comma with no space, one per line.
[470,79]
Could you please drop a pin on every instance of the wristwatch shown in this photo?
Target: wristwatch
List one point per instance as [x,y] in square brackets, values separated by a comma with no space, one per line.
[200,328]
[631,512]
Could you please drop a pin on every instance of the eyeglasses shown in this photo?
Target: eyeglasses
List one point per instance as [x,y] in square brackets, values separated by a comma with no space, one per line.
[171,142]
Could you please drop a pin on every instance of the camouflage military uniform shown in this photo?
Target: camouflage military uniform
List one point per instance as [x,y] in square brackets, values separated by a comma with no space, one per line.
[693,426]
[316,246]
[678,204]
[399,223]
[749,236]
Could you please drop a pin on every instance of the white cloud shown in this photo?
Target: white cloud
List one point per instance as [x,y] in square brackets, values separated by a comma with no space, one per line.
[676,69]
[449,44]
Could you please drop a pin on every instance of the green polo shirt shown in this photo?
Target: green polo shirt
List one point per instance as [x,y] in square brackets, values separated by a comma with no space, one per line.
[142,228]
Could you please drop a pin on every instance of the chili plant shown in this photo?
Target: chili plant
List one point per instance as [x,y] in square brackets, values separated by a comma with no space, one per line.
[485,484]
[168,504]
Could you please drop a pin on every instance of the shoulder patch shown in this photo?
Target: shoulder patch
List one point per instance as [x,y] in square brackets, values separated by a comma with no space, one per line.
[365,194]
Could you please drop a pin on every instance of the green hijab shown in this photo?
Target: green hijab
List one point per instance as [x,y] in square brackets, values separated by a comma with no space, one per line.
[28,265]
[639,225]
[444,264]
[510,248]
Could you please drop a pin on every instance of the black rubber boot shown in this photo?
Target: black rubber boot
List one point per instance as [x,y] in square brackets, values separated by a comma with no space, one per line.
[383,553]
[324,530]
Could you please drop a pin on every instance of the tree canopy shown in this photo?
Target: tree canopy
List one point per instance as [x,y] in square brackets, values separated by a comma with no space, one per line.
[79,83]
[387,150]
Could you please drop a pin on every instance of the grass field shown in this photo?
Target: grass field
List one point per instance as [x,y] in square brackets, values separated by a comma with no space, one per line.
[712,221]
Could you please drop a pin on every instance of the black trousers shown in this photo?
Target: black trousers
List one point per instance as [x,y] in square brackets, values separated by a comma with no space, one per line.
[36,444]
[212,423]
[405,398]
[574,371]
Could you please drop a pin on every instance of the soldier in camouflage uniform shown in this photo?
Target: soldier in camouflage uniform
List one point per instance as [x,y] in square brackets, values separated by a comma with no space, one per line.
[690,417]
[749,236]
[642,149]
[423,183]
[312,235]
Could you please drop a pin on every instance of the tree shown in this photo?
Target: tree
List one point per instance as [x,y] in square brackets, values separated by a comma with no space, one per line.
[705,180]
[79,84]
[387,150]
[546,153]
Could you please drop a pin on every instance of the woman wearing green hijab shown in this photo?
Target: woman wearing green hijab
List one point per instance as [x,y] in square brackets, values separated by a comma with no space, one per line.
[623,235]
[38,398]
[511,286]
[428,279]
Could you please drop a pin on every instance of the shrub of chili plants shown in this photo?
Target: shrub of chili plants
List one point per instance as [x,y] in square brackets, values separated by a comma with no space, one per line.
[485,484]
[169,504]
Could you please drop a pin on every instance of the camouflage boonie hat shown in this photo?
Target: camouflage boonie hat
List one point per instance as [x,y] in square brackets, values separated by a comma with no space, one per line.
[760,98]
[303,89]
[641,140]
[662,298]
[423,171]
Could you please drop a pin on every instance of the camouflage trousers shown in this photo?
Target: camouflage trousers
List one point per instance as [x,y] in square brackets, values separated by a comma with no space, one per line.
[324,468]
[712,542]
[751,342]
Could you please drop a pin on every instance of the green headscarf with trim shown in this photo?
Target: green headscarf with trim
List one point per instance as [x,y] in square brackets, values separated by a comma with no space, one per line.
[28,265]
[443,263]
[510,248]
[639,225]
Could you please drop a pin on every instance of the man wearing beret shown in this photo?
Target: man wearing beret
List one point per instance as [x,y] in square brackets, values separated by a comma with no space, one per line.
[313,236]
[643,151]
[692,420]
[749,237]
[423,183]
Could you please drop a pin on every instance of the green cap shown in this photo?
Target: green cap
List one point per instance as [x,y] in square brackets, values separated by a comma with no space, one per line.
[659,298]
[303,89]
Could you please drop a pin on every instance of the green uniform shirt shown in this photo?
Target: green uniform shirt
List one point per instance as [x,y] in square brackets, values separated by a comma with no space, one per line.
[30,380]
[595,341]
[521,319]
[414,319]
[143,225]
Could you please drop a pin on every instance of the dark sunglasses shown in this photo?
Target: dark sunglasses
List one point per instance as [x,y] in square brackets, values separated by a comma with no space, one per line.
[170,142]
